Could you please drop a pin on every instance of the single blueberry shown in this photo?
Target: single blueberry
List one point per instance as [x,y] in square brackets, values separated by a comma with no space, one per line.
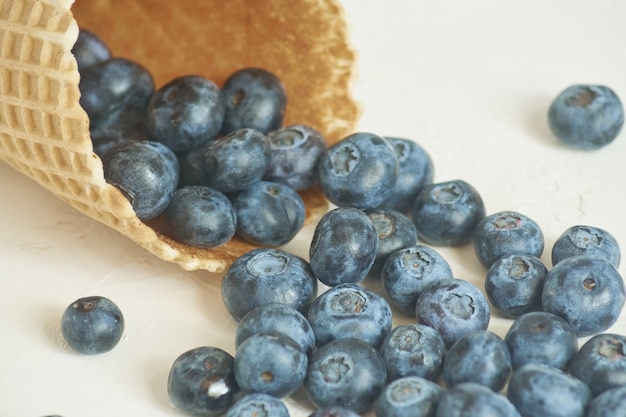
[586,117]
[258,404]
[359,171]
[333,411]
[350,311]
[453,307]
[395,231]
[277,317]
[609,404]
[507,233]
[270,363]
[601,362]
[295,154]
[447,213]
[410,396]
[145,172]
[201,381]
[586,291]
[89,49]
[268,213]
[407,272]
[586,240]
[413,350]
[543,338]
[539,390]
[514,284]
[186,113]
[236,161]
[115,92]
[92,325]
[415,170]
[345,373]
[267,275]
[344,246]
[200,216]
[255,99]
[474,400]
[481,357]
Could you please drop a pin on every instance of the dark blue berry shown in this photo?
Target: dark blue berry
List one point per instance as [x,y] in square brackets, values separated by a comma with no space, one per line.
[92,325]
[447,213]
[586,117]
[514,284]
[543,338]
[453,307]
[350,311]
[609,404]
[601,362]
[266,275]
[258,404]
[268,213]
[507,233]
[344,246]
[586,291]
[359,171]
[200,216]
[474,400]
[255,99]
[586,240]
[345,373]
[146,173]
[410,396]
[89,49]
[202,382]
[407,272]
[295,154]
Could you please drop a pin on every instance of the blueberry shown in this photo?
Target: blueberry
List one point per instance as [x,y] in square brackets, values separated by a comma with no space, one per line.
[350,311]
[270,363]
[201,381]
[236,161]
[345,373]
[268,213]
[587,292]
[507,233]
[344,246]
[543,338]
[447,213]
[267,275]
[413,350]
[92,325]
[395,231]
[542,391]
[609,404]
[186,113]
[257,405]
[410,396]
[200,216]
[146,173]
[277,317]
[481,357]
[514,284]
[453,307]
[89,49]
[255,99]
[474,400]
[586,117]
[115,92]
[601,362]
[333,411]
[359,171]
[407,272]
[415,170]
[295,154]
[586,240]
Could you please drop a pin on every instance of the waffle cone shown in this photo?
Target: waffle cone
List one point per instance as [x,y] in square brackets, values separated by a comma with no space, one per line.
[44,133]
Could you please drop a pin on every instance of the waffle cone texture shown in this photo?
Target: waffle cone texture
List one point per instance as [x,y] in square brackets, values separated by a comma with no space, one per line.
[44,133]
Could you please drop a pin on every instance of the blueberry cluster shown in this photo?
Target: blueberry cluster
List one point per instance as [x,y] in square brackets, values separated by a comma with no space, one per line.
[210,162]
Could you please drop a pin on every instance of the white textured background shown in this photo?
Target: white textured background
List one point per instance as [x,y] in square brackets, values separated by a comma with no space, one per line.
[470,81]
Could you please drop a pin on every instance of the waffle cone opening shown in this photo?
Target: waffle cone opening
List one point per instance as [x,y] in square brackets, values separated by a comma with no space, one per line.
[44,133]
